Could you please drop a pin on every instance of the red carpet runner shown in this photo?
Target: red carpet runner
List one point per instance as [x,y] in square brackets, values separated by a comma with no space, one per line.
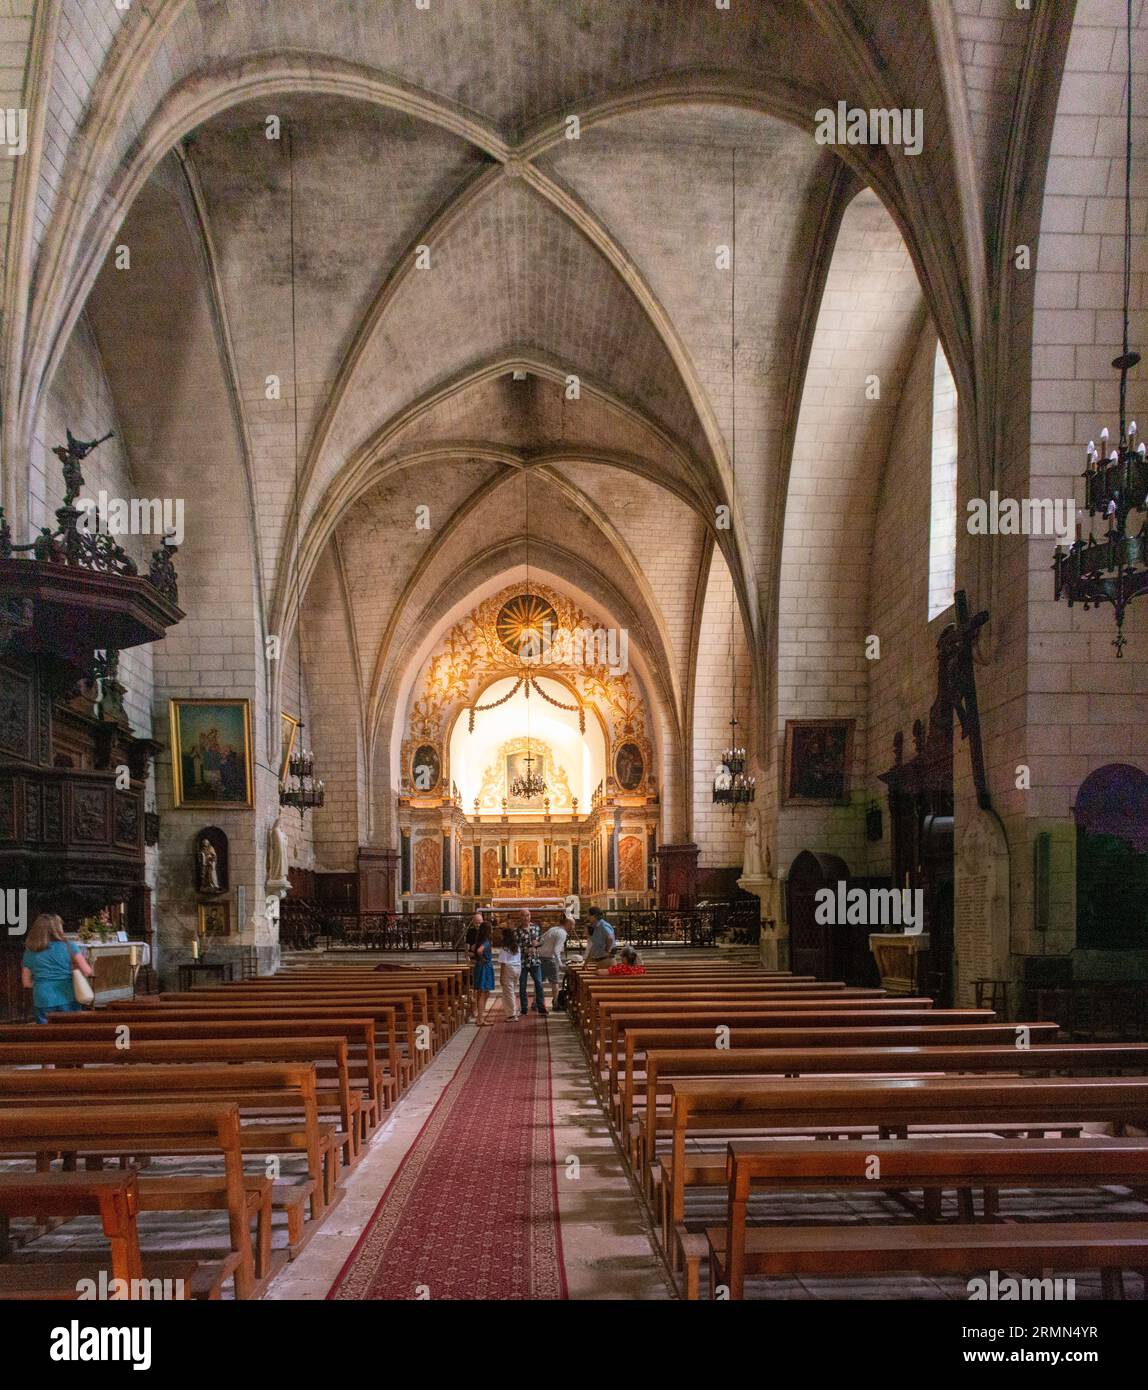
[472,1212]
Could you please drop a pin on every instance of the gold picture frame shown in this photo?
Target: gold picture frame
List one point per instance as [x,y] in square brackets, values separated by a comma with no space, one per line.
[289,729]
[818,766]
[212,759]
[214,919]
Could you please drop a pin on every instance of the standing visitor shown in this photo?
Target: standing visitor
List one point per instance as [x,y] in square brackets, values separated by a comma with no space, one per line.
[49,959]
[483,973]
[529,936]
[602,937]
[509,968]
[550,950]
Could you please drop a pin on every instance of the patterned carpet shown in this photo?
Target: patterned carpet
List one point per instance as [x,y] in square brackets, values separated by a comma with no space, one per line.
[472,1212]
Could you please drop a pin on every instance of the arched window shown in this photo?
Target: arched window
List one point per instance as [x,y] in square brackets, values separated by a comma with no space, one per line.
[1111,814]
[943,508]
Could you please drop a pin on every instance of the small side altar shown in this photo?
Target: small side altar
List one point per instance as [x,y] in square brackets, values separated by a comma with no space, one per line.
[898,956]
[116,963]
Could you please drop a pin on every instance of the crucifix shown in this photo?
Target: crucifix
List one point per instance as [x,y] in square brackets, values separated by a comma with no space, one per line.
[959,685]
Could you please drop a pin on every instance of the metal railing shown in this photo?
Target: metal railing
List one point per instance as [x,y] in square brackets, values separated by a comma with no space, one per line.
[302,924]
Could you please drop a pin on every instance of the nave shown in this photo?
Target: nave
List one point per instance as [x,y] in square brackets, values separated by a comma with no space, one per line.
[750,1134]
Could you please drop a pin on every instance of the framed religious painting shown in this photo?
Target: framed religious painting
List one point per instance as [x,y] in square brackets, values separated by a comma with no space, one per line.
[426,768]
[211,753]
[818,761]
[215,919]
[289,727]
[629,766]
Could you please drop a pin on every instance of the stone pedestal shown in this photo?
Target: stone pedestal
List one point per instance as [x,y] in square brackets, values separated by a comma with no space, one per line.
[898,956]
[773,949]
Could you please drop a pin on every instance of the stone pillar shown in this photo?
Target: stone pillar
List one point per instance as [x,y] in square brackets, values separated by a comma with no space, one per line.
[773,951]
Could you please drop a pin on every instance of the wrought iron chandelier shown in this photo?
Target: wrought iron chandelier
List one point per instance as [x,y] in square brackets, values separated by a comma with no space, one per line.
[301,791]
[1113,569]
[731,785]
[530,786]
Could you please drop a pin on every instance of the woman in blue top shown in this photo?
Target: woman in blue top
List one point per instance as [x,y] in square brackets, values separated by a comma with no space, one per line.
[49,959]
[483,972]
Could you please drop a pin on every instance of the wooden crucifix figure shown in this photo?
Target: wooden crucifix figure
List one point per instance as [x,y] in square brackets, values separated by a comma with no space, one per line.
[959,685]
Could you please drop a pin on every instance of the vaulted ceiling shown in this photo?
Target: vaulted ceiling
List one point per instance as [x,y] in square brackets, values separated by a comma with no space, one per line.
[448,237]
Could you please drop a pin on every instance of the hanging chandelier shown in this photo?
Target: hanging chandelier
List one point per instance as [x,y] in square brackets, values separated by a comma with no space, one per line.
[530,786]
[1114,568]
[301,790]
[732,786]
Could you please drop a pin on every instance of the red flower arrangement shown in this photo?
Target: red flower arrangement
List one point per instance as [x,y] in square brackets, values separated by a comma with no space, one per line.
[626,970]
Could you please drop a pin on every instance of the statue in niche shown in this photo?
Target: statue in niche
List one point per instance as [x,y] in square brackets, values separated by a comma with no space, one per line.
[208,879]
[723,780]
[277,857]
[211,861]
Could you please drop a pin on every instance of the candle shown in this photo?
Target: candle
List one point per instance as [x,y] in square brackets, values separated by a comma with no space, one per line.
[195,948]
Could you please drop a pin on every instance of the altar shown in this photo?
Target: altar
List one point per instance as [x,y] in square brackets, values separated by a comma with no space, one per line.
[116,965]
[536,906]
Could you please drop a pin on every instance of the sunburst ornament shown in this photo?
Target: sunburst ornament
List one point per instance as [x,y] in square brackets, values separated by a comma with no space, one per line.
[526,624]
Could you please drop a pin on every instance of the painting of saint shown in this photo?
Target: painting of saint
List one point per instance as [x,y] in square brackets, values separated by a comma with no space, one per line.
[425,768]
[629,767]
[818,758]
[211,752]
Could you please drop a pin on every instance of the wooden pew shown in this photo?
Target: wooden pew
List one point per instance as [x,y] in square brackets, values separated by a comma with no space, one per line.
[766,1016]
[416,1009]
[804,997]
[113,1197]
[394,1062]
[624,1078]
[1108,1246]
[888,1107]
[286,1093]
[314,1140]
[205,1129]
[666,1065]
[368,1032]
[929,1164]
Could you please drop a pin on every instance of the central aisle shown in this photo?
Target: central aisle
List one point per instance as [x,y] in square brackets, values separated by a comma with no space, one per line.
[472,1211]
[456,1191]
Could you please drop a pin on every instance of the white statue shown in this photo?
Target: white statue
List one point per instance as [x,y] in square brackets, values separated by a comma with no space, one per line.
[723,779]
[277,880]
[751,854]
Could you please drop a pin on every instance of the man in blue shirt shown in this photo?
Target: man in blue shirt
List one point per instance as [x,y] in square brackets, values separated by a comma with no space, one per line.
[602,936]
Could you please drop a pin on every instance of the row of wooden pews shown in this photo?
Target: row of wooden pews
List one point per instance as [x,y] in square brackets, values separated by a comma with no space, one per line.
[726,1083]
[254,1099]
